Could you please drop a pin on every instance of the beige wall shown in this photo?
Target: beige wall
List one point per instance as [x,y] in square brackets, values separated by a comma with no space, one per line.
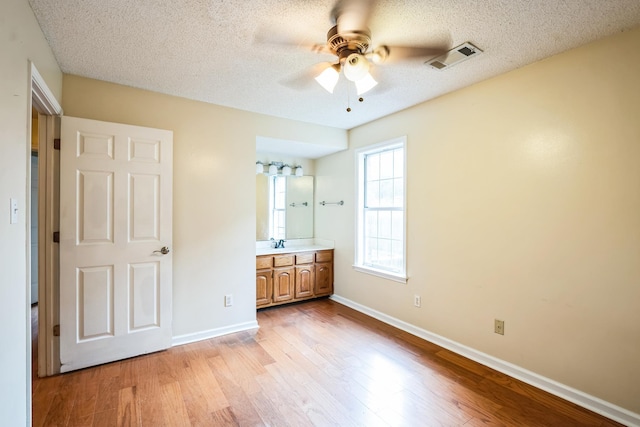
[214,225]
[523,205]
[20,41]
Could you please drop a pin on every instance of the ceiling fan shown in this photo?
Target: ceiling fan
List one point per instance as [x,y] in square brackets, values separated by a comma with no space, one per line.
[350,41]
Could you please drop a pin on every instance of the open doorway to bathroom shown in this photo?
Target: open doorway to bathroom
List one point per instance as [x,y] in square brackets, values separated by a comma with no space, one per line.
[33,214]
[42,217]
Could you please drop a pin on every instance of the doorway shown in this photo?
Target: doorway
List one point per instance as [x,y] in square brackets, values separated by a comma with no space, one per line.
[42,221]
[33,215]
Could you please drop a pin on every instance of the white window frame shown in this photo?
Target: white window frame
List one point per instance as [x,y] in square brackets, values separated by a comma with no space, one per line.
[359,264]
[273,210]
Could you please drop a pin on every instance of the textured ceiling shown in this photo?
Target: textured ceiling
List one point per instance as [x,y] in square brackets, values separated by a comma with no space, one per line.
[225,52]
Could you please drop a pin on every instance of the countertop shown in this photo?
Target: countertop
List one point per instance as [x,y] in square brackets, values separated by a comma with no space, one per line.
[291,249]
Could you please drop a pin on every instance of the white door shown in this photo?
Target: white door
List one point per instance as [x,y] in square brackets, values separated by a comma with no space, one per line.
[115,220]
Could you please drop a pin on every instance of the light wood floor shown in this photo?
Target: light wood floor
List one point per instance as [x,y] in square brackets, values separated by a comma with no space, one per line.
[312,364]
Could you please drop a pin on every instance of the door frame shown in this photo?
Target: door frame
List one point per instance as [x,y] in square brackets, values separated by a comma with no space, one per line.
[49,110]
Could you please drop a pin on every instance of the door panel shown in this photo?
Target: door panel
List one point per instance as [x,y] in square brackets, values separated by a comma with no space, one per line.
[144,282]
[144,191]
[95,294]
[95,207]
[115,215]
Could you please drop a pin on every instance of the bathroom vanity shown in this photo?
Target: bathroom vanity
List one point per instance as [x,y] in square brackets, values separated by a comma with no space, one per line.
[288,275]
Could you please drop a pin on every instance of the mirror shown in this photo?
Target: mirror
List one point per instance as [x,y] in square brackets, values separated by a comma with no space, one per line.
[284,207]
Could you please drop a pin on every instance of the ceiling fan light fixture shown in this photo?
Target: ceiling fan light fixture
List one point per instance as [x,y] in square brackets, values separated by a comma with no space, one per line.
[328,78]
[379,54]
[356,67]
[365,84]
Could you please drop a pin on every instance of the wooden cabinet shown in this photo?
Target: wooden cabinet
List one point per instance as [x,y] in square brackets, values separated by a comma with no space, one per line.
[304,281]
[283,284]
[264,287]
[291,277]
[324,279]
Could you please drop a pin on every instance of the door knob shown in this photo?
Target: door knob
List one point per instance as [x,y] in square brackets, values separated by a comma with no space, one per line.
[163,250]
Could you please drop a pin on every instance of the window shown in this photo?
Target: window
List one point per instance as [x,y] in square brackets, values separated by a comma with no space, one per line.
[278,209]
[380,246]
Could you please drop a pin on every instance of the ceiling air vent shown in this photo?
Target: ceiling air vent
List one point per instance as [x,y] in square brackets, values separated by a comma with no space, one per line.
[454,56]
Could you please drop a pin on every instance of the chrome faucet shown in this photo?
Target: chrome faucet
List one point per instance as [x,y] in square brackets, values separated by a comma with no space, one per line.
[277,244]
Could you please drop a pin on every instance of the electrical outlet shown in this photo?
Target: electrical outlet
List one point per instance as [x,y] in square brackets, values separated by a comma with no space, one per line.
[417,301]
[228,300]
[498,327]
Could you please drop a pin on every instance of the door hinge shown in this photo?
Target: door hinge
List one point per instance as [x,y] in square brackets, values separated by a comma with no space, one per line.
[56,144]
[56,331]
[56,237]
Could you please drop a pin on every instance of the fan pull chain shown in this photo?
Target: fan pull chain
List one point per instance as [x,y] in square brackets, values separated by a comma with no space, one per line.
[348,101]
[360,99]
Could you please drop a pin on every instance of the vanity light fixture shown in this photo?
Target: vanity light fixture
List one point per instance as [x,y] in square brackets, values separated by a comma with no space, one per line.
[279,167]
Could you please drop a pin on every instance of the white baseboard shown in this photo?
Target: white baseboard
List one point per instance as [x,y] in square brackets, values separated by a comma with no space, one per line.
[578,397]
[212,333]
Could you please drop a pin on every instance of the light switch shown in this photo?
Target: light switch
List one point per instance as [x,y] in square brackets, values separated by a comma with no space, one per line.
[14,211]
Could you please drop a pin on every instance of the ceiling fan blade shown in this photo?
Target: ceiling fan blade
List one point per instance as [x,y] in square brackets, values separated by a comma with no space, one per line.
[403,53]
[352,15]
[286,41]
[305,78]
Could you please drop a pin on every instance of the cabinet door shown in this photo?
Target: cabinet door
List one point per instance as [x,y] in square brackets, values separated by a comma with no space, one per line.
[324,278]
[283,279]
[264,287]
[305,280]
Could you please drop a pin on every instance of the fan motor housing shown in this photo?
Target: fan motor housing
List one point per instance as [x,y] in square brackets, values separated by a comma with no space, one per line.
[344,44]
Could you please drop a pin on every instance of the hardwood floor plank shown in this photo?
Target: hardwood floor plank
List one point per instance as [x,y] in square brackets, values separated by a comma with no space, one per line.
[240,409]
[85,403]
[484,422]
[209,385]
[299,391]
[149,390]
[567,408]
[63,400]
[280,399]
[195,400]
[106,418]
[312,364]
[340,384]
[42,398]
[129,408]
[245,368]
[173,408]
[225,418]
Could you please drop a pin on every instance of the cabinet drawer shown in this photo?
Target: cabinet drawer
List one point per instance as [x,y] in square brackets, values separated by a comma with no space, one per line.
[304,258]
[282,260]
[324,256]
[263,262]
